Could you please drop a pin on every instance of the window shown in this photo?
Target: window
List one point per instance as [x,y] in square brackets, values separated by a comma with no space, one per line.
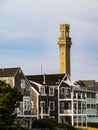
[42,90]
[88,105]
[42,104]
[88,94]
[51,91]
[93,95]
[52,105]
[26,103]
[27,87]
[23,83]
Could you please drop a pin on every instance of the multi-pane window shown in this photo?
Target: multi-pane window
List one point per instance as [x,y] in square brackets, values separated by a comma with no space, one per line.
[88,94]
[93,95]
[42,90]
[26,103]
[51,91]
[52,105]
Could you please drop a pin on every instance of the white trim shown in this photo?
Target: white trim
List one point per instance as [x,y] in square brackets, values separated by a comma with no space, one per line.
[42,102]
[39,85]
[26,115]
[18,69]
[37,106]
[59,98]
[34,90]
[42,106]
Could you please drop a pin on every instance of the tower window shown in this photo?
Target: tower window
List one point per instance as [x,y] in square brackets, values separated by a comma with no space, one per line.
[62,34]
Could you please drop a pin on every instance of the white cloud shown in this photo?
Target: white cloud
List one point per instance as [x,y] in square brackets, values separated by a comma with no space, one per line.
[9,35]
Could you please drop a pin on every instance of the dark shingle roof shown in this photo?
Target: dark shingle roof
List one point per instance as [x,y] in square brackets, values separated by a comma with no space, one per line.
[8,72]
[35,86]
[86,83]
[50,79]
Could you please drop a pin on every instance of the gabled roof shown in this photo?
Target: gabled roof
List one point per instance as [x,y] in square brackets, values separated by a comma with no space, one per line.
[8,72]
[50,79]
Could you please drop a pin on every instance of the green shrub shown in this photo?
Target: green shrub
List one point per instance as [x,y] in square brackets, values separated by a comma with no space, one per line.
[50,124]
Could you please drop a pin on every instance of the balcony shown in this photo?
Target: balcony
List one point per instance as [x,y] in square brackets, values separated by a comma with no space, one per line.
[67,96]
[67,111]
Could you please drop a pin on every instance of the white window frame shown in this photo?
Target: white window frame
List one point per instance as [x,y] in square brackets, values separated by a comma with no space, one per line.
[42,104]
[42,92]
[53,102]
[51,93]
[26,103]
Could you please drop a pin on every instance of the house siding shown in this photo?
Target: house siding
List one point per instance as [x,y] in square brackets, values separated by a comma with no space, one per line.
[34,99]
[9,80]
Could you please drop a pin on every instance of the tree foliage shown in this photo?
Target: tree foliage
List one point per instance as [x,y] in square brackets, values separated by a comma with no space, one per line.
[9,100]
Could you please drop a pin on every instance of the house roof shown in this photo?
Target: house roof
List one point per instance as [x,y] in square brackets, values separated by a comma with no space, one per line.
[35,86]
[89,84]
[86,83]
[49,79]
[8,72]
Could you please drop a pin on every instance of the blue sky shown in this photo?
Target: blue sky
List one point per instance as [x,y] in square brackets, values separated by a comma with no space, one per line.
[29,31]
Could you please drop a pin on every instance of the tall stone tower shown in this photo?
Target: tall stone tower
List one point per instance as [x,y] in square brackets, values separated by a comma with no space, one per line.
[64,43]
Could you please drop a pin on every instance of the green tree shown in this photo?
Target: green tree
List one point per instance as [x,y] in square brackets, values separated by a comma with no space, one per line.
[9,100]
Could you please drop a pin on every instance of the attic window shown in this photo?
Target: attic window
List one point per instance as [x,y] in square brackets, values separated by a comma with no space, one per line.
[23,83]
